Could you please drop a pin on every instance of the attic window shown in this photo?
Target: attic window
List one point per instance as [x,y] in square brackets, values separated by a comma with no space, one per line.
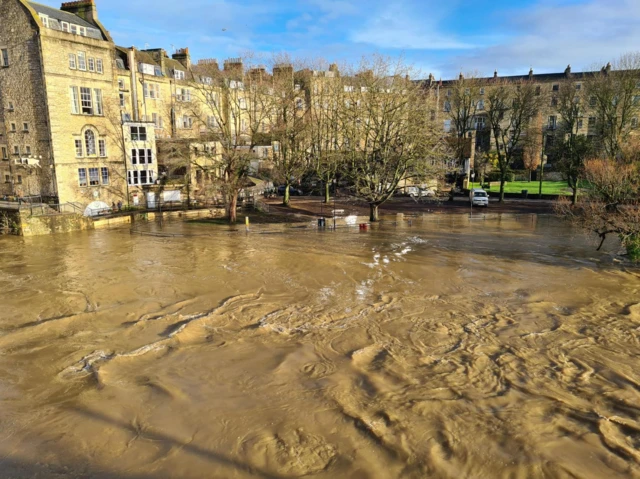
[120,63]
[178,74]
[157,71]
[45,20]
[64,26]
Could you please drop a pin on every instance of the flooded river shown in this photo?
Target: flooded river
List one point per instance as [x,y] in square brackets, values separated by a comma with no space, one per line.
[498,348]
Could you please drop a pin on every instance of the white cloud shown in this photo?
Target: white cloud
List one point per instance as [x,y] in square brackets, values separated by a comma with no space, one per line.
[547,37]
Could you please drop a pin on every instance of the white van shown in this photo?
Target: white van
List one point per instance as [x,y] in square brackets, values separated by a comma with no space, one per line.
[478,197]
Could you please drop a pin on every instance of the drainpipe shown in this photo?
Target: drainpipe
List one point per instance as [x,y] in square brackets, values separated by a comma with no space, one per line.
[134,83]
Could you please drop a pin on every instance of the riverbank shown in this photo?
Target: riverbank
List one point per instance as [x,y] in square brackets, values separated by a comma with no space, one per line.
[313,206]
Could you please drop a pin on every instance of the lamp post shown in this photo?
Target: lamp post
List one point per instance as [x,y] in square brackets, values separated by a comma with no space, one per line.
[544,160]
[472,176]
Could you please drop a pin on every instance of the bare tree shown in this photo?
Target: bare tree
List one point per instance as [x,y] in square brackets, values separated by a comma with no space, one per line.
[510,108]
[231,109]
[461,103]
[289,128]
[615,99]
[533,145]
[389,135]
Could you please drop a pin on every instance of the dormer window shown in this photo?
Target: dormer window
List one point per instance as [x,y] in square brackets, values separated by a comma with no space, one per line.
[157,71]
[178,74]
[64,26]
[45,20]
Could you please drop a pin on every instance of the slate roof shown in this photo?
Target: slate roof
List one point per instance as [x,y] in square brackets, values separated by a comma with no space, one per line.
[56,16]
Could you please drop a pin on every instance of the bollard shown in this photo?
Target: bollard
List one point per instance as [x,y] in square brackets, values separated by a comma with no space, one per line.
[246,222]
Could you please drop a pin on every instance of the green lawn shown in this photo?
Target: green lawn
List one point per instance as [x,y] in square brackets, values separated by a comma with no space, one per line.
[548,187]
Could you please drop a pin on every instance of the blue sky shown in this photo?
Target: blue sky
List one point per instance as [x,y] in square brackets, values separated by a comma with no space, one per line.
[439,36]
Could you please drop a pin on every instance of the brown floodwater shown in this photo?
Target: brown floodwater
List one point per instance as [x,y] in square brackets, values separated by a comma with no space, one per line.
[504,347]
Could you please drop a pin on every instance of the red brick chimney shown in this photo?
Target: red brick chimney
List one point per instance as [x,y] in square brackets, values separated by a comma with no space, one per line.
[85,9]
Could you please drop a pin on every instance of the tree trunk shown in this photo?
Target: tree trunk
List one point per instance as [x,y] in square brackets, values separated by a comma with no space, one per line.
[286,198]
[502,190]
[529,177]
[232,206]
[574,198]
[374,214]
[327,192]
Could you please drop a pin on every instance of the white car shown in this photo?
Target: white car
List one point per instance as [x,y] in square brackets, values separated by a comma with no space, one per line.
[478,197]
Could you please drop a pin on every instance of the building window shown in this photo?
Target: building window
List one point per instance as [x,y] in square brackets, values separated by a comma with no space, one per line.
[25,127]
[634,123]
[99,66]
[90,142]
[72,61]
[11,108]
[142,177]
[104,174]
[121,84]
[4,153]
[19,179]
[13,127]
[554,101]
[578,86]
[4,57]
[74,29]
[178,74]
[183,94]
[92,64]
[85,100]
[94,177]
[243,103]
[102,147]
[16,150]
[141,156]
[98,101]
[82,177]
[299,104]
[448,92]
[78,145]
[447,126]
[82,31]
[157,121]
[7,179]
[580,123]
[151,90]
[82,61]
[593,101]
[138,133]
[480,105]
[480,123]
[555,87]
[592,121]
[122,100]
[75,100]
[187,122]
[27,148]
[552,122]
[65,26]
[447,106]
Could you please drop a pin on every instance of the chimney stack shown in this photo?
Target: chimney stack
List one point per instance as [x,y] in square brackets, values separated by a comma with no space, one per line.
[283,71]
[567,71]
[495,73]
[182,55]
[530,73]
[234,67]
[85,9]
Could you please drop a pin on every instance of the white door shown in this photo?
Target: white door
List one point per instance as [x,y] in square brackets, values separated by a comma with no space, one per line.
[151,200]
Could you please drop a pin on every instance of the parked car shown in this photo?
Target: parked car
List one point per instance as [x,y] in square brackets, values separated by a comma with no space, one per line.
[478,197]
[292,191]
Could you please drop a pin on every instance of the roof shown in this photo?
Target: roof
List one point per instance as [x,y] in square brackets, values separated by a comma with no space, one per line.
[60,15]
[56,16]
[542,77]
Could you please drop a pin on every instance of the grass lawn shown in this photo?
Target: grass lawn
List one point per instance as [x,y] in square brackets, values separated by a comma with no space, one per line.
[548,187]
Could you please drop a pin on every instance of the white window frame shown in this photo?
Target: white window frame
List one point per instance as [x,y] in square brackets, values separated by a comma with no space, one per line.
[75,100]
[64,26]
[4,57]
[82,61]
[122,100]
[77,143]
[94,176]
[82,31]
[91,64]
[104,175]
[16,150]
[178,74]
[25,127]
[99,66]
[73,64]
[102,148]
[73,28]
[82,173]
[139,134]
[90,142]
[97,100]
[86,101]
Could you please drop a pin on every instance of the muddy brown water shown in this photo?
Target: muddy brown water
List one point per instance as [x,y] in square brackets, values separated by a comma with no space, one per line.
[497,348]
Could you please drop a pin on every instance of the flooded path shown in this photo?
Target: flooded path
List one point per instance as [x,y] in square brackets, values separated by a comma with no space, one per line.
[505,348]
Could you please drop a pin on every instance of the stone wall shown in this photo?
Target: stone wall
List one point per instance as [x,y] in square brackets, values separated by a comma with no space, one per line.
[46,225]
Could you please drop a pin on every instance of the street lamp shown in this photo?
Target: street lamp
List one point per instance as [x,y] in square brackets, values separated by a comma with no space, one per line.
[473,175]
[544,160]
